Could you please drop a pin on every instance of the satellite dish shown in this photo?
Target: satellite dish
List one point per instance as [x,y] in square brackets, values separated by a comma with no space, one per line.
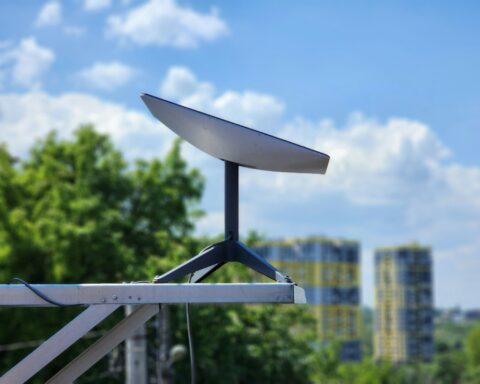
[235,143]
[237,146]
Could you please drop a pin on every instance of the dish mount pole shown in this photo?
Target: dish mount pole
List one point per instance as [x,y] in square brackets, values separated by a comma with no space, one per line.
[230,249]
[231,201]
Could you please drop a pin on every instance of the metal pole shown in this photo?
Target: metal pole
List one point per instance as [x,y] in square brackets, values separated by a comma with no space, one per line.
[136,354]
[231,200]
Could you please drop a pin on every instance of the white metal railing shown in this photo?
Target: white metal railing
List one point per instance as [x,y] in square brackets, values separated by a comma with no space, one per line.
[103,299]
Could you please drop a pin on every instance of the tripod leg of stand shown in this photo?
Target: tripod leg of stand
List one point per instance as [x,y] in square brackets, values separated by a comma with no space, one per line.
[204,273]
[258,263]
[210,257]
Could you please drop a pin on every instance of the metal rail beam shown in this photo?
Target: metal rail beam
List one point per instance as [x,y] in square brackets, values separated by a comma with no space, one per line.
[135,293]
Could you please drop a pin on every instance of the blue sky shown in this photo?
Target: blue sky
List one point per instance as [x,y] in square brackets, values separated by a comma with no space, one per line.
[390,90]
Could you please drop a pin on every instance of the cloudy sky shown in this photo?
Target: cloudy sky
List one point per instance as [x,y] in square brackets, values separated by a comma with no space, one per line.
[391,92]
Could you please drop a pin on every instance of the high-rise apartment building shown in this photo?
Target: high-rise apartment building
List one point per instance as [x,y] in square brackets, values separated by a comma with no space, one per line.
[329,272]
[403,296]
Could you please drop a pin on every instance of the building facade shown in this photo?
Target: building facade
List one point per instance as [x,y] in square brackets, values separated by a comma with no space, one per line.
[404,304]
[329,272]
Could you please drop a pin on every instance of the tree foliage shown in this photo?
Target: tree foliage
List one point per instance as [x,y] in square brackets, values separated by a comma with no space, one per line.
[75,212]
[473,347]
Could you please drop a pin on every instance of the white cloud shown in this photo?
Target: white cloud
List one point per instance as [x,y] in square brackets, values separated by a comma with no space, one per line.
[30,116]
[180,82]
[107,76]
[372,162]
[250,108]
[26,63]
[165,23]
[50,15]
[96,5]
[398,165]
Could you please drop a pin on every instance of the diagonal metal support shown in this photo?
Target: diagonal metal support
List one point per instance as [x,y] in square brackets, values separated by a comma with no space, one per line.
[207,262]
[202,274]
[249,258]
[57,343]
[209,257]
[101,347]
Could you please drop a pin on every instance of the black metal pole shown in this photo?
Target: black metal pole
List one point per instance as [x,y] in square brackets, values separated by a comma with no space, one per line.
[231,200]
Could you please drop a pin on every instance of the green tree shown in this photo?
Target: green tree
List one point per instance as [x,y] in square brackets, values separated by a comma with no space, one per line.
[369,372]
[449,367]
[472,347]
[75,211]
[472,352]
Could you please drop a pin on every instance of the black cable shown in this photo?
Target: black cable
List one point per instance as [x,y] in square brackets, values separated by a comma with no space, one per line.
[187,315]
[190,340]
[40,294]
